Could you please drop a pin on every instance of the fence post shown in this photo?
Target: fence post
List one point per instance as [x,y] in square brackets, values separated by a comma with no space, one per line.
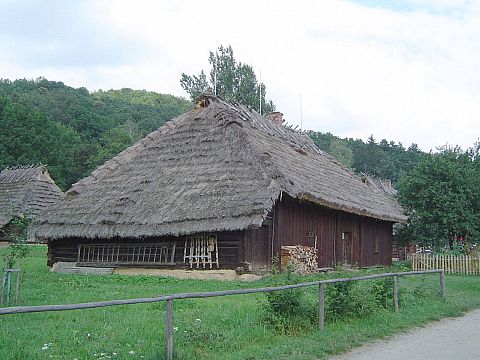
[4,267]
[442,284]
[321,307]
[17,285]
[7,296]
[169,329]
[395,293]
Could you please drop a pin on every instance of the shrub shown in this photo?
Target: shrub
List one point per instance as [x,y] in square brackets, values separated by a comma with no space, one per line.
[383,292]
[288,311]
[348,299]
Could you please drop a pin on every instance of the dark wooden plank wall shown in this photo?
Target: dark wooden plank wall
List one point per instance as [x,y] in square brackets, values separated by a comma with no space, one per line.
[297,222]
[256,250]
[382,230]
[228,248]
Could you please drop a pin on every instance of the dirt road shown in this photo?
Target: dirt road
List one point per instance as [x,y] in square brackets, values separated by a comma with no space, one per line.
[447,339]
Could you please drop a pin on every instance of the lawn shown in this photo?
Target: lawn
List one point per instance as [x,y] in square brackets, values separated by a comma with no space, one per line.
[218,328]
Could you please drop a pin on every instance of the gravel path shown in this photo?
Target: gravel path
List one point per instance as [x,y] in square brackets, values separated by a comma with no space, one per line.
[447,339]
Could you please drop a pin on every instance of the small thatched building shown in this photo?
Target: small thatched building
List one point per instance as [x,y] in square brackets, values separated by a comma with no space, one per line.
[25,191]
[220,186]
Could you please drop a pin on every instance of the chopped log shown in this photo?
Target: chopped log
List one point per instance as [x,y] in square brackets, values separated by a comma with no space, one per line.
[300,259]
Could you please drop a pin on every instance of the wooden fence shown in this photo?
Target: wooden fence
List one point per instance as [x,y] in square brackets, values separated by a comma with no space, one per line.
[169,299]
[451,264]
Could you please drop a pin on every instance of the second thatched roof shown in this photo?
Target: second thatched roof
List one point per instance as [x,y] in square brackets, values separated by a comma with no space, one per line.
[26,191]
[217,167]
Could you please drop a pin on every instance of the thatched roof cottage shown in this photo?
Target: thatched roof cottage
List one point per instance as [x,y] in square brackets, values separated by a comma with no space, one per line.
[220,186]
[25,191]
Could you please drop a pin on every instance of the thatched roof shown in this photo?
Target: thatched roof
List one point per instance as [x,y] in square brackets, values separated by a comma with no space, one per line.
[217,167]
[26,191]
[380,185]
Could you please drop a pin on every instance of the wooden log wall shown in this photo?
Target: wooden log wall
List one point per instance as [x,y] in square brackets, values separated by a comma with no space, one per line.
[228,248]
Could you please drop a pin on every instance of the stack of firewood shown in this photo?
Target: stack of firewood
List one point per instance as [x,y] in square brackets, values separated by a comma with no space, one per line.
[300,259]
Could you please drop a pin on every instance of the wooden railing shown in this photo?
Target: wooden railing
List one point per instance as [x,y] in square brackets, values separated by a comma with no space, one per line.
[126,254]
[452,264]
[169,299]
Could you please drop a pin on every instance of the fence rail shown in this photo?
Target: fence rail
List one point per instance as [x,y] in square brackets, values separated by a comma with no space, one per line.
[451,264]
[126,254]
[169,299]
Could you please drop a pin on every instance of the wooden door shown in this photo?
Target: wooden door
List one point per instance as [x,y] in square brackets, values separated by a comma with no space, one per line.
[347,241]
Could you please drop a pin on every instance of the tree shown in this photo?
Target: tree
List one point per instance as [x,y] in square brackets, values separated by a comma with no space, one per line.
[340,151]
[230,80]
[17,236]
[442,198]
[72,130]
[371,158]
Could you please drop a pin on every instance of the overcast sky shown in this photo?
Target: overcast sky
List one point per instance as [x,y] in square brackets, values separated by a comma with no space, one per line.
[406,71]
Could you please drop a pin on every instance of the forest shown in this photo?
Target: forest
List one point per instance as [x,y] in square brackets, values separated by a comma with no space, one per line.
[73,131]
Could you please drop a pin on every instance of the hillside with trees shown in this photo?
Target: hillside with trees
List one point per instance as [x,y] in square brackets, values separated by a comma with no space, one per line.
[384,159]
[73,130]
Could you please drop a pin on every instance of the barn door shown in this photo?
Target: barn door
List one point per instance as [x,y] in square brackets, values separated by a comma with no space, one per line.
[347,238]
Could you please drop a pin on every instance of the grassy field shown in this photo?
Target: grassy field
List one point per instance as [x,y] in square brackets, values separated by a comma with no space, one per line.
[217,328]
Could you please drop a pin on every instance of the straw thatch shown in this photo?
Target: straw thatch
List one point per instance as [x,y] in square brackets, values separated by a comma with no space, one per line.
[217,167]
[26,191]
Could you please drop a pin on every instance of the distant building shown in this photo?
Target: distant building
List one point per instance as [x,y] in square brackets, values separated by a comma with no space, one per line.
[25,191]
[220,186]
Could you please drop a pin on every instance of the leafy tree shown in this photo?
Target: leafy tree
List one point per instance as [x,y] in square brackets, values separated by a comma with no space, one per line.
[442,197]
[385,159]
[322,140]
[194,85]
[17,236]
[371,159]
[230,80]
[340,150]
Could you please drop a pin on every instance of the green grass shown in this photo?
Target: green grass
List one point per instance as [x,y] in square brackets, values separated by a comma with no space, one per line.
[217,328]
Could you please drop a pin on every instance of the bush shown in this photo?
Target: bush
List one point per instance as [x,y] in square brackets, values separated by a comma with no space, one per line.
[383,292]
[348,299]
[288,311]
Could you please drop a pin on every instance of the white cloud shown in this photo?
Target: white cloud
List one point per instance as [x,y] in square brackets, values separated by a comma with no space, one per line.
[408,75]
